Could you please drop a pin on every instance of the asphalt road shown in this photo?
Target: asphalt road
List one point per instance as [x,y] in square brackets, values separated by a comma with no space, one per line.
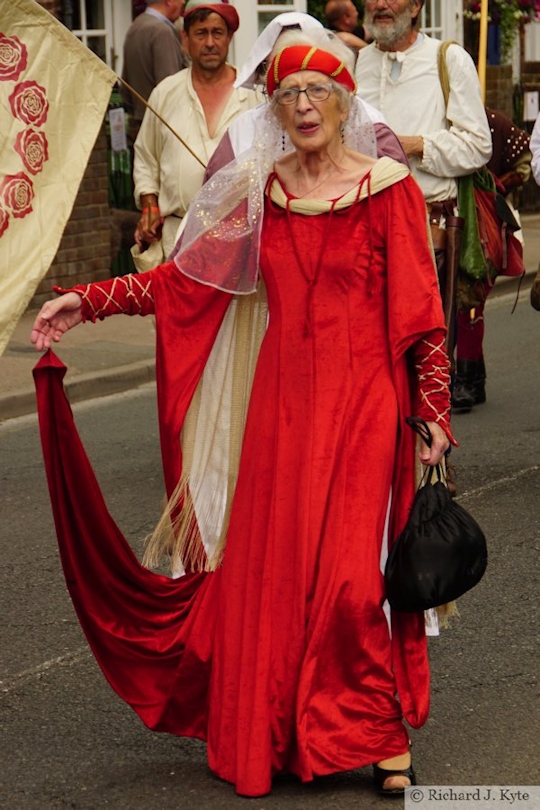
[69,742]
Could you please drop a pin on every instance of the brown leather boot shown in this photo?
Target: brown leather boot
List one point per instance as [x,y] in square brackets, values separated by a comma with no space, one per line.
[462,394]
[469,386]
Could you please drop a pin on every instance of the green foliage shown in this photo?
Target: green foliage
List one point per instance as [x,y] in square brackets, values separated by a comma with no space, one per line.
[316,9]
[509,15]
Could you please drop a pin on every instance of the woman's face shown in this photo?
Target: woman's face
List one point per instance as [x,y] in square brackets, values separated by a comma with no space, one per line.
[311,125]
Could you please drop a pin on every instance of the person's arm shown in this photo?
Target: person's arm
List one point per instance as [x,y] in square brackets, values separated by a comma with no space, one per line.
[412,145]
[388,144]
[535,150]
[466,145]
[511,160]
[150,225]
[123,295]
[432,368]
[415,316]
[355,43]
[146,177]
[518,174]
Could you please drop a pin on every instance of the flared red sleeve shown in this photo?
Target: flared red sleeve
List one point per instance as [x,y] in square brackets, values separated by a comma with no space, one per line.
[136,621]
[415,316]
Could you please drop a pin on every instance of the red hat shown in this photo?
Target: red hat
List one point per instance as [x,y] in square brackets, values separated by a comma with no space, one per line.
[306,57]
[221,7]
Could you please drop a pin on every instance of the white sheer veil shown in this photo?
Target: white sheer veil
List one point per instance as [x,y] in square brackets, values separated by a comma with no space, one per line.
[229,207]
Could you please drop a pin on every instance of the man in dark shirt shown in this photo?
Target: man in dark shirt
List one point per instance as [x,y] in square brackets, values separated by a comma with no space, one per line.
[152,51]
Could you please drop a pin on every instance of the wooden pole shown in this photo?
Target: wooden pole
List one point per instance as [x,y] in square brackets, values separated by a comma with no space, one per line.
[482,47]
[147,105]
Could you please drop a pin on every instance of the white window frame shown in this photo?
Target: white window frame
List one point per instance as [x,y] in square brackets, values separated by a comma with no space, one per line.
[532,42]
[84,34]
[446,18]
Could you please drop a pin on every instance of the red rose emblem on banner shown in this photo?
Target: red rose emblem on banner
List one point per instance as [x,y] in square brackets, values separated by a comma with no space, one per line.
[4,220]
[13,58]
[29,103]
[32,146]
[17,193]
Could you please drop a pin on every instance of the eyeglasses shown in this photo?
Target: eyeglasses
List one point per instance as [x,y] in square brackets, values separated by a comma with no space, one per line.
[315,92]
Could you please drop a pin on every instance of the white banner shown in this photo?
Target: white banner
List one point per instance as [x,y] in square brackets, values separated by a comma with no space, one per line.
[54,94]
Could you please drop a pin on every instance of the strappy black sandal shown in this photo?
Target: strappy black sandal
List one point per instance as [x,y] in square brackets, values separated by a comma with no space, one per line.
[380,775]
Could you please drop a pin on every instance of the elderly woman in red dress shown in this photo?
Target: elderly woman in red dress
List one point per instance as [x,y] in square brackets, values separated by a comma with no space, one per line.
[305,298]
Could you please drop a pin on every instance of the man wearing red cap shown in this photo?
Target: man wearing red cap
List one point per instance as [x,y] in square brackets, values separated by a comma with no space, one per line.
[199,104]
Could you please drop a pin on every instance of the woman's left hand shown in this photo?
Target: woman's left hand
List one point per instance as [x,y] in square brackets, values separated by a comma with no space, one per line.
[430,456]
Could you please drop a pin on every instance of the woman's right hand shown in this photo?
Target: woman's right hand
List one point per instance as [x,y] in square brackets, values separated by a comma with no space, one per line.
[54,318]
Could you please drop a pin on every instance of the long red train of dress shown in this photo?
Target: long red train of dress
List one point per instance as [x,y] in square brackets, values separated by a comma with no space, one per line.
[282,659]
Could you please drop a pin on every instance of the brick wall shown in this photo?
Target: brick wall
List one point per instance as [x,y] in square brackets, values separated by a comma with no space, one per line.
[499,89]
[84,253]
[530,75]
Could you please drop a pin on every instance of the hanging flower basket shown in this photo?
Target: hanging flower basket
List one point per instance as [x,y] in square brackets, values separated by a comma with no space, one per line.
[509,16]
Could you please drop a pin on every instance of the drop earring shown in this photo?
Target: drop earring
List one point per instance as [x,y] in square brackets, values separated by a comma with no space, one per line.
[282,140]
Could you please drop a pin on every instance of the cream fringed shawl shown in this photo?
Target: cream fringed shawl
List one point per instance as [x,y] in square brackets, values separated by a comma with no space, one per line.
[193,527]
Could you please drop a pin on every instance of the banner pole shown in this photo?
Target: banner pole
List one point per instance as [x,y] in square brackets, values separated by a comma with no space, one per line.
[147,105]
[482,47]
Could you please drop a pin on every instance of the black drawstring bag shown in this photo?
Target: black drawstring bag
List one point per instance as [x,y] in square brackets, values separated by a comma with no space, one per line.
[441,553]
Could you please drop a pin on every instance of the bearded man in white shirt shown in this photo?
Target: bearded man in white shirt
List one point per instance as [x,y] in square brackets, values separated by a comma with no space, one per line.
[398,74]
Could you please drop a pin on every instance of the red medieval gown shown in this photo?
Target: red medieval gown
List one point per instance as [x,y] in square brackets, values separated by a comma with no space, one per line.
[282,659]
